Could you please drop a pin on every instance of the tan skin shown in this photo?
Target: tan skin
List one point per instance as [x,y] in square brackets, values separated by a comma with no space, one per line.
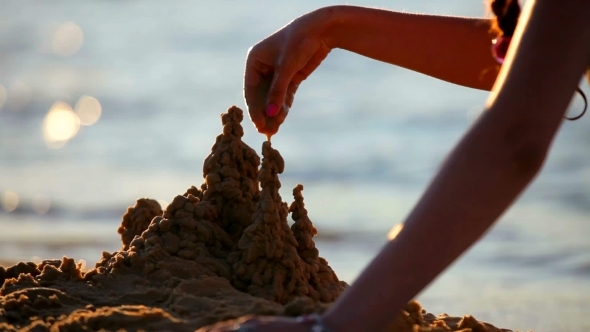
[417,42]
[489,168]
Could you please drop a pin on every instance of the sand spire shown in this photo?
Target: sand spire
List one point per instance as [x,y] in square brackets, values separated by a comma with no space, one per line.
[322,279]
[230,173]
[267,264]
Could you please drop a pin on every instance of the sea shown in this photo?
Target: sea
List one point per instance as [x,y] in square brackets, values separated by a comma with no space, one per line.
[103,102]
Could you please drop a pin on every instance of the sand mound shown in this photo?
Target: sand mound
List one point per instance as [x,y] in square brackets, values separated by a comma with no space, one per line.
[219,251]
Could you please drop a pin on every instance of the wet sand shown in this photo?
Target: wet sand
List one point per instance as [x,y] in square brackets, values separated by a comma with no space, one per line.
[219,251]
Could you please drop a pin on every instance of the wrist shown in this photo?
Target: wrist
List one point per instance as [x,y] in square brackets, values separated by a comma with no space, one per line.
[332,21]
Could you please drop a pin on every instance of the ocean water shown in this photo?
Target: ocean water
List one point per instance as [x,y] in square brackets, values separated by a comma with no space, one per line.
[363,137]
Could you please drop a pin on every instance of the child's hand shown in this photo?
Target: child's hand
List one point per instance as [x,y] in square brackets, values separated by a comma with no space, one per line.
[278,64]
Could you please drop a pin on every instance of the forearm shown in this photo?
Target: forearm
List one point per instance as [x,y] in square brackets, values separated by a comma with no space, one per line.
[480,179]
[453,49]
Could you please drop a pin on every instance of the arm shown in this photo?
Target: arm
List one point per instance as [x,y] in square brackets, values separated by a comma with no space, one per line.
[453,49]
[486,172]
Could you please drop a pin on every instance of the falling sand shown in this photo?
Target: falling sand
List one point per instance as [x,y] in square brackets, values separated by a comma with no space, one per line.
[217,252]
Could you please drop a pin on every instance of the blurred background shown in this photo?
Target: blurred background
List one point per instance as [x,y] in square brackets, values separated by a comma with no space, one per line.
[103,102]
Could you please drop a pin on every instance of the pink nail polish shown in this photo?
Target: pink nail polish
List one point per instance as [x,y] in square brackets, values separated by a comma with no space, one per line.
[272,110]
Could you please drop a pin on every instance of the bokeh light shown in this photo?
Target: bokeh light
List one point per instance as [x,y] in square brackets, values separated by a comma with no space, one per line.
[88,110]
[67,39]
[60,125]
[394,232]
[9,201]
[2,95]
[41,204]
[18,95]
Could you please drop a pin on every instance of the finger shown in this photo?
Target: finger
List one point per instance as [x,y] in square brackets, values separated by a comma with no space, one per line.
[289,98]
[291,90]
[278,89]
[256,85]
[271,127]
[272,124]
[279,119]
[257,105]
[252,79]
[299,77]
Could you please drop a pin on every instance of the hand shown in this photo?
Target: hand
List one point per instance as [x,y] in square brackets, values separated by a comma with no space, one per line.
[278,64]
[259,324]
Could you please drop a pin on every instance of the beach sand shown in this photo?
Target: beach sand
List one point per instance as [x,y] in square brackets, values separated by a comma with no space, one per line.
[218,252]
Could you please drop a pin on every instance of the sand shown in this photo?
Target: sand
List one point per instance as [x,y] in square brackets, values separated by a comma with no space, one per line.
[219,251]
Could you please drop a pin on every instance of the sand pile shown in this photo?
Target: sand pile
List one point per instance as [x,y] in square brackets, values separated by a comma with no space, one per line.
[219,251]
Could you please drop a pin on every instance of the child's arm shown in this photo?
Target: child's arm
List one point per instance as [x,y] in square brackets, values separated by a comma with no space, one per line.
[453,49]
[486,172]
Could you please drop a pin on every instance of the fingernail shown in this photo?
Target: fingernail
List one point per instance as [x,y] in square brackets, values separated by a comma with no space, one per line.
[272,110]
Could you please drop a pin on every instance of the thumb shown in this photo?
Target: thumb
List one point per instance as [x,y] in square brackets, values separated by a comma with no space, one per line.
[278,91]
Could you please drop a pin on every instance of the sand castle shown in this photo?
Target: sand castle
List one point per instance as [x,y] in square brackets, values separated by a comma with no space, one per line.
[217,252]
